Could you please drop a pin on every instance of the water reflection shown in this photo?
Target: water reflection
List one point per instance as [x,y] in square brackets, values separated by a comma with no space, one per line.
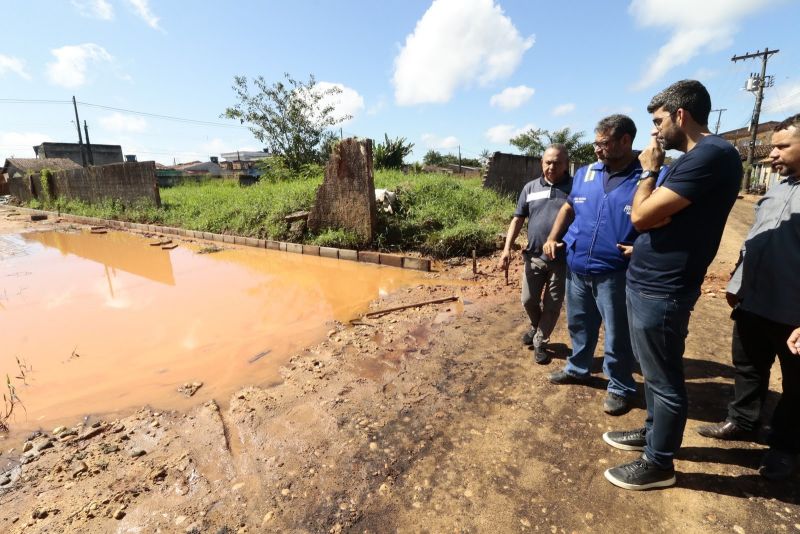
[107,322]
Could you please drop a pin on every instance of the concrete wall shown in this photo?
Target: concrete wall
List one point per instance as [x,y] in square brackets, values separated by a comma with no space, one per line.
[101,154]
[128,182]
[508,173]
[346,198]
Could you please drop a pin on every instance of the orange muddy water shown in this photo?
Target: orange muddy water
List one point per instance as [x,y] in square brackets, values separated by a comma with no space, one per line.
[104,323]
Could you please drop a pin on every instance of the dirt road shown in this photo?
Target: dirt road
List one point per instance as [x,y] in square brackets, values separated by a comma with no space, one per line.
[433,419]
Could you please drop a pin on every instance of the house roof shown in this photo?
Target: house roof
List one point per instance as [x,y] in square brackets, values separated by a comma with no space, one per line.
[36,165]
[742,132]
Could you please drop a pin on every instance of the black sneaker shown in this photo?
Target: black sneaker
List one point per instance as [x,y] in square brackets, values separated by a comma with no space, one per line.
[562,377]
[627,440]
[641,474]
[527,337]
[777,465]
[541,356]
[617,404]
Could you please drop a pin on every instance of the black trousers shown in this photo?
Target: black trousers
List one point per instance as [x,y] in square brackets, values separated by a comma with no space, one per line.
[756,342]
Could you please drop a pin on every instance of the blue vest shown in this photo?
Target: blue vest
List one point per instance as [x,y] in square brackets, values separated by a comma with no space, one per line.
[601,221]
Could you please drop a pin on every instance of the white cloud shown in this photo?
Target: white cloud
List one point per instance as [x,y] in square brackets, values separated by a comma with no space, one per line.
[503,132]
[704,74]
[13,64]
[783,99]
[97,9]
[379,106]
[710,28]
[20,144]
[456,43]
[435,142]
[142,8]
[563,109]
[119,123]
[72,61]
[512,97]
[608,110]
[347,102]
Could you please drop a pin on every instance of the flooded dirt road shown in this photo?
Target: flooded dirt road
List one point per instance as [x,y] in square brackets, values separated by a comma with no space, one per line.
[98,323]
[433,419]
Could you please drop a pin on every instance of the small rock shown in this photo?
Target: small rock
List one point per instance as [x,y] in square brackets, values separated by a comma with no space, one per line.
[46,444]
[468,494]
[137,453]
[285,492]
[738,530]
[267,517]
[79,468]
[120,513]
[525,522]
[40,513]
[237,486]
[109,448]
[58,430]
[181,519]
[373,446]
[28,446]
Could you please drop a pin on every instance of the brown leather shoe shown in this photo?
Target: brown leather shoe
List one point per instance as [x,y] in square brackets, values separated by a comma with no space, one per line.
[727,430]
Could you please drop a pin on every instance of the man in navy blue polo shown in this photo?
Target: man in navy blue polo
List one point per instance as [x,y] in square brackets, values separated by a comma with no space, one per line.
[598,245]
[681,222]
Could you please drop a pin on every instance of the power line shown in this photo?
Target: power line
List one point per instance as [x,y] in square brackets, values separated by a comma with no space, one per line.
[123,110]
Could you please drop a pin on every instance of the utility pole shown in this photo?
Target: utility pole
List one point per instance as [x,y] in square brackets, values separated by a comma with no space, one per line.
[78,125]
[719,116]
[88,144]
[756,84]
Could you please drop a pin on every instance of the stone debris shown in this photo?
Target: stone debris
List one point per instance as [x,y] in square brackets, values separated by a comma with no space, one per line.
[190,388]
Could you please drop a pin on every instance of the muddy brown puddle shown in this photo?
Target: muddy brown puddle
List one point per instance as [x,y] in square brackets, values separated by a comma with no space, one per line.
[95,324]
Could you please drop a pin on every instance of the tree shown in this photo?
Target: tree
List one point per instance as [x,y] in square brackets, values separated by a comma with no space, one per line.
[390,155]
[535,141]
[290,117]
[432,157]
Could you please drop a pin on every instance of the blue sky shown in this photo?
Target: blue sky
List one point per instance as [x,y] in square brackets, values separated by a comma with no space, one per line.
[442,74]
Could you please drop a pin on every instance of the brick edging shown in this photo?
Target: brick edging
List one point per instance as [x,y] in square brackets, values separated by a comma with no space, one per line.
[364,256]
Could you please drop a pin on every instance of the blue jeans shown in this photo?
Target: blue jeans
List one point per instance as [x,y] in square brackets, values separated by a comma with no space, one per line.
[659,325]
[592,299]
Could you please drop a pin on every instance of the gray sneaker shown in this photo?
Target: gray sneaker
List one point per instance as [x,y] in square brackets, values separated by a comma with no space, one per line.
[627,440]
[640,474]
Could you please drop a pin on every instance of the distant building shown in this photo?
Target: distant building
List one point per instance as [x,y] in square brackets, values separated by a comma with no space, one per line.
[245,155]
[100,154]
[763,176]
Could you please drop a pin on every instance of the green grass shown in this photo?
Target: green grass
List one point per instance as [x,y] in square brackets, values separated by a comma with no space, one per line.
[437,215]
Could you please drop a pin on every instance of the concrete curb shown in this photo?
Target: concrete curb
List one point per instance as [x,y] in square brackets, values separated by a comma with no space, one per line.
[364,256]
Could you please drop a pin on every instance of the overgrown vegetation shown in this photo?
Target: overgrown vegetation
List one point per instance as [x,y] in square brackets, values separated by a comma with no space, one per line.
[435,214]
[434,157]
[391,153]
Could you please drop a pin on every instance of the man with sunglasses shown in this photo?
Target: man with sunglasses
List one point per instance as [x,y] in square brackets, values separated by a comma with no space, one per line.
[681,223]
[598,244]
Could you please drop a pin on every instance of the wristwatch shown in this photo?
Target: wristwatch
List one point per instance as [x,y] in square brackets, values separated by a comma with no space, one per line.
[649,174]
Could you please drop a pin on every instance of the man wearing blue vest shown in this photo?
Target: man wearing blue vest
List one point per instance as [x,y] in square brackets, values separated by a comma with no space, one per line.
[540,201]
[681,221]
[598,245]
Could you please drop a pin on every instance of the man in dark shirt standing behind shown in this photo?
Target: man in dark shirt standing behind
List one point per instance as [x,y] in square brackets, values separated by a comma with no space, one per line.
[540,201]
[681,223]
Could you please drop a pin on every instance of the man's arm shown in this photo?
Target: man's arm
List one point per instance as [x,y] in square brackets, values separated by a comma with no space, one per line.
[511,236]
[564,218]
[653,208]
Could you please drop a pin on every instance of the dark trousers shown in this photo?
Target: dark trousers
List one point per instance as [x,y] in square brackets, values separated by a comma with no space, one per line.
[659,325]
[756,342]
